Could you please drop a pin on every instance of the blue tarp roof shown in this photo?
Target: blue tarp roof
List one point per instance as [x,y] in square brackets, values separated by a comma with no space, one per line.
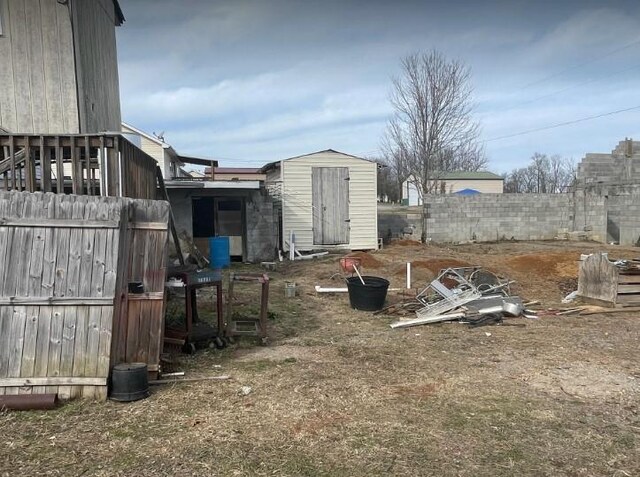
[467,192]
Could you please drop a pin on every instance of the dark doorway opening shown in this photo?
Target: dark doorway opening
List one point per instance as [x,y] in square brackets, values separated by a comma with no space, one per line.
[219,217]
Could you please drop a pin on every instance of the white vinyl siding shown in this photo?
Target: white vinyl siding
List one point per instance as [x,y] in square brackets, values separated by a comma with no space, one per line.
[153,148]
[297,209]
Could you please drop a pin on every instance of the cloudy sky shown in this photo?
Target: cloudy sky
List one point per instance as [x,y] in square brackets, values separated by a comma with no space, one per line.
[249,81]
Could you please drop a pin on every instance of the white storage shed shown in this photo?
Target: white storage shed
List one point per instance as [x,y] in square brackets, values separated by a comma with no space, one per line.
[328,200]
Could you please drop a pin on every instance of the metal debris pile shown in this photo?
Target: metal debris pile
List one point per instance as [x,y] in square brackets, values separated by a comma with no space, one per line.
[470,295]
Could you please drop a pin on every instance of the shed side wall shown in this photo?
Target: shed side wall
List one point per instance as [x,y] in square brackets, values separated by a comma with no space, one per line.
[297,207]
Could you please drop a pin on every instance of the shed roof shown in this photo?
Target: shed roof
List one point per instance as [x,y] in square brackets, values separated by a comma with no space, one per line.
[275,164]
[234,170]
[471,175]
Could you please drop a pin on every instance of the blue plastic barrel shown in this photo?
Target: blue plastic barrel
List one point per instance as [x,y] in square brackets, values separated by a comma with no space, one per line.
[219,256]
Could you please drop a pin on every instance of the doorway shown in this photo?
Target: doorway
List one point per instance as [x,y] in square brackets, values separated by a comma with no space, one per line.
[219,217]
[330,201]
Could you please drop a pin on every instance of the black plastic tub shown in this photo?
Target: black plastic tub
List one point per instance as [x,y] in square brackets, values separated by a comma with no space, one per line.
[367,297]
[129,382]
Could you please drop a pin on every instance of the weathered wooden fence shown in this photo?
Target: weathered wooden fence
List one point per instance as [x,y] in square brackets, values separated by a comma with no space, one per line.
[95,164]
[65,263]
[139,327]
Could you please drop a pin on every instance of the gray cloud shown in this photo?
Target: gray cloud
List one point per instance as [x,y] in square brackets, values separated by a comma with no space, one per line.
[256,80]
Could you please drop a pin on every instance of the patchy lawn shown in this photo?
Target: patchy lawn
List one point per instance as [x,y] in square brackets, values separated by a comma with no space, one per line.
[338,393]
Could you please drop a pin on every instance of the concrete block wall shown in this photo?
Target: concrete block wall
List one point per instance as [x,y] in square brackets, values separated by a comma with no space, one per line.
[489,217]
[396,222]
[589,214]
[621,165]
[261,228]
[623,219]
[623,215]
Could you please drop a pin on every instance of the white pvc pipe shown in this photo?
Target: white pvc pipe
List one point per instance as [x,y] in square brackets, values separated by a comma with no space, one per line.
[292,247]
[408,275]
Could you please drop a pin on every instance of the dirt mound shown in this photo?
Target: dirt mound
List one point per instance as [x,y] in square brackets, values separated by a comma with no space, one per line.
[367,260]
[437,264]
[557,265]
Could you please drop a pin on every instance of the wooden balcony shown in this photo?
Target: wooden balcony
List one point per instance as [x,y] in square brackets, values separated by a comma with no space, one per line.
[96,164]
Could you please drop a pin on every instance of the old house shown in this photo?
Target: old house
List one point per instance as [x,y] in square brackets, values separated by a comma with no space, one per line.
[455,182]
[59,69]
[168,160]
[80,219]
[327,199]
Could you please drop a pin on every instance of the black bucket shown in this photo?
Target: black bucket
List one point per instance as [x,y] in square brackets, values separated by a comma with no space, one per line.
[367,297]
[129,382]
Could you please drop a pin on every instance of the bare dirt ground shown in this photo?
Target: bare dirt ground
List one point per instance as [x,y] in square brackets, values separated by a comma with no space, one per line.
[338,393]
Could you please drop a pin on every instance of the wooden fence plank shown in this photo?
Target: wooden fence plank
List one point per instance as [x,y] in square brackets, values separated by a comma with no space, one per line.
[42,344]
[146,318]
[67,349]
[51,301]
[49,254]
[22,286]
[29,342]
[133,327]
[122,276]
[59,223]
[11,270]
[16,340]
[81,350]
[6,235]
[156,331]
[75,251]
[63,210]
[55,343]
[6,346]
[53,381]
[80,353]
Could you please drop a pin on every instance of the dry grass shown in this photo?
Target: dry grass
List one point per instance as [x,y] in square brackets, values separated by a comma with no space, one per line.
[338,393]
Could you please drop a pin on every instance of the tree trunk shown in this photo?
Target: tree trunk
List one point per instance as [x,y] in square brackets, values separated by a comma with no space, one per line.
[425,215]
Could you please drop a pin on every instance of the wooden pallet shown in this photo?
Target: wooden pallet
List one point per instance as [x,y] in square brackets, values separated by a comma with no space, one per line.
[602,283]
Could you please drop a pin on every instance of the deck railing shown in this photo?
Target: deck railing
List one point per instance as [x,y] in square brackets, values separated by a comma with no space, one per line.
[95,164]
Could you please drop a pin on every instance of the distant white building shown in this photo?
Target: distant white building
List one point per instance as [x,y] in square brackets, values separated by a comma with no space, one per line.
[462,182]
[168,159]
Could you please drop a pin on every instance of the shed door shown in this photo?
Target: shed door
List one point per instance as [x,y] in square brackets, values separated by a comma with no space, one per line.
[330,186]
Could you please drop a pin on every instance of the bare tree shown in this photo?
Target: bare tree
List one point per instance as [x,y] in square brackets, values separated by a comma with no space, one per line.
[432,130]
[544,174]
